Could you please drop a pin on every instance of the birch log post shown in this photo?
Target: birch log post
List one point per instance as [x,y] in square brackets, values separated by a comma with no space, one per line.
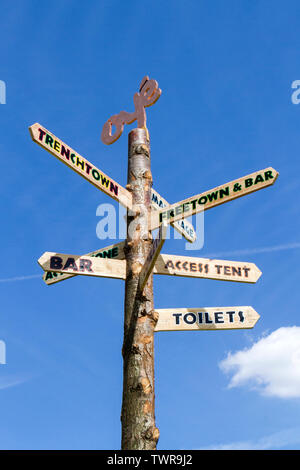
[138,415]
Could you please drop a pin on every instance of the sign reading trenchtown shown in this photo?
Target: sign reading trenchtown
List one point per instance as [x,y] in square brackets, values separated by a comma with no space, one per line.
[212,318]
[67,155]
[227,192]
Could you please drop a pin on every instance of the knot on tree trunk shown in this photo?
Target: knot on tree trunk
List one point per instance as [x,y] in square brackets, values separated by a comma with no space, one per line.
[140,149]
[151,434]
[154,316]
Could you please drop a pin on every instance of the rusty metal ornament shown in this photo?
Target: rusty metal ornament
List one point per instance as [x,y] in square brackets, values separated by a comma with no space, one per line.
[148,95]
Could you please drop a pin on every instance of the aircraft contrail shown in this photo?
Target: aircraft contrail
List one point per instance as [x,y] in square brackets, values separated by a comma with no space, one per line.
[248,251]
[20,278]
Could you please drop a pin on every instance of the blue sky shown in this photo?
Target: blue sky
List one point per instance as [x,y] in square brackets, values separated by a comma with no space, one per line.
[225,70]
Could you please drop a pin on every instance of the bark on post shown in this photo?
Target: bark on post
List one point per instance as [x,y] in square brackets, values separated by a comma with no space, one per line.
[138,413]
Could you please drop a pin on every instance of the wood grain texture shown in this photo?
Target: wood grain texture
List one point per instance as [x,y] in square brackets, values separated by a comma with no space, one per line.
[182,226]
[83,265]
[206,318]
[152,256]
[223,270]
[80,165]
[109,252]
[138,402]
[219,195]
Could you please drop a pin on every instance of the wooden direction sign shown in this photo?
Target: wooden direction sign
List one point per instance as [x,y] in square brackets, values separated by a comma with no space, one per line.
[182,226]
[109,252]
[219,195]
[239,271]
[83,167]
[152,256]
[212,318]
[86,265]
[172,265]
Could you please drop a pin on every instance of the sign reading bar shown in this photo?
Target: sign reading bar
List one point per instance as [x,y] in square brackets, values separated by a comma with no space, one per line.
[152,256]
[239,271]
[83,167]
[227,192]
[86,265]
[212,318]
[110,252]
[182,226]
[174,265]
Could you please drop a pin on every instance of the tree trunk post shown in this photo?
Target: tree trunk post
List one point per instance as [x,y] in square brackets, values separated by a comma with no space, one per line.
[138,412]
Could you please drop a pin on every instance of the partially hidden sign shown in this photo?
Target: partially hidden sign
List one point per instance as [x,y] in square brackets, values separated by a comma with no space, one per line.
[219,195]
[182,226]
[211,318]
[83,167]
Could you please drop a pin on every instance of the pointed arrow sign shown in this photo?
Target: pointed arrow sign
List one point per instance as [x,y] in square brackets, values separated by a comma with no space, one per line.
[86,265]
[227,192]
[212,318]
[217,269]
[109,252]
[182,226]
[83,167]
[171,265]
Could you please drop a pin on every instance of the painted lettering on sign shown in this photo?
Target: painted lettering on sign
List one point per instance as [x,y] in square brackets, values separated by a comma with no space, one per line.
[147,96]
[182,226]
[56,262]
[215,196]
[211,318]
[77,161]
[79,164]
[111,252]
[224,270]
[235,189]
[83,265]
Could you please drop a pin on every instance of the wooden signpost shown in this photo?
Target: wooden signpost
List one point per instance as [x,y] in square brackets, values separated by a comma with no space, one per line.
[137,258]
[211,318]
[85,265]
[67,155]
[182,226]
[174,265]
[219,195]
[152,256]
[83,167]
[206,268]
[109,252]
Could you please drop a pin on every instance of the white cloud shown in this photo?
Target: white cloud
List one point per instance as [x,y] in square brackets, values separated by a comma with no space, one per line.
[271,365]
